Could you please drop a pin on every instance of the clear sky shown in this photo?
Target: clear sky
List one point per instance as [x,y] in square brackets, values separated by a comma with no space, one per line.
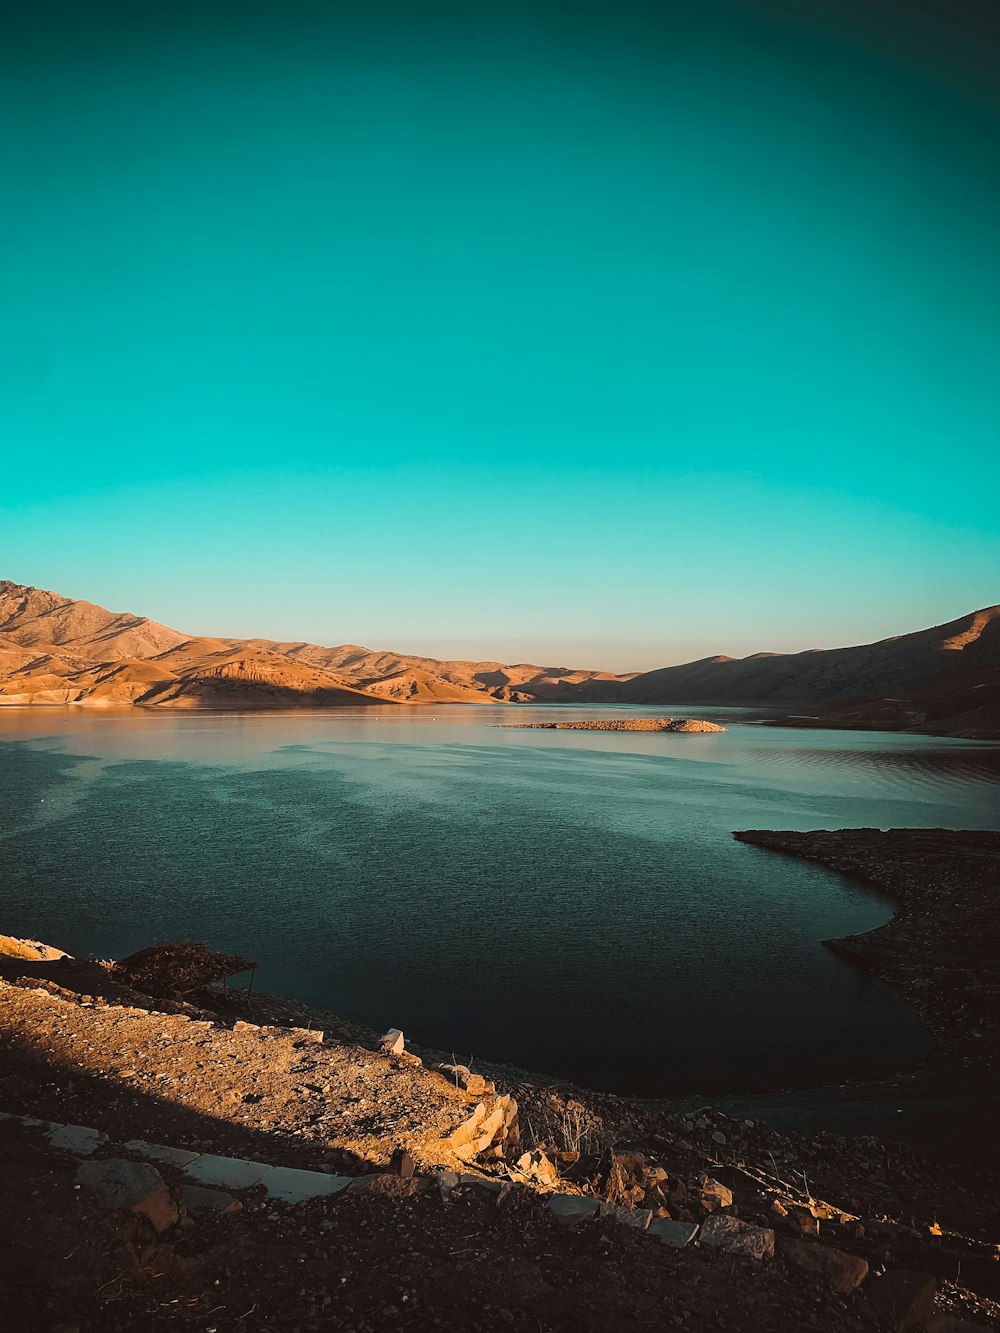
[605,333]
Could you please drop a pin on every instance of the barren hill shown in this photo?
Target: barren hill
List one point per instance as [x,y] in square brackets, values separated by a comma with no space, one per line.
[907,680]
[54,650]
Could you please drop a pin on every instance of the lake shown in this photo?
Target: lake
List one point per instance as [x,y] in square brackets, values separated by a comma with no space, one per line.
[570,902]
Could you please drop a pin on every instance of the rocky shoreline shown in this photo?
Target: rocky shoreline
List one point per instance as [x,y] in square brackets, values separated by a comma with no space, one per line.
[691,725]
[486,1198]
[567,1211]
[941,949]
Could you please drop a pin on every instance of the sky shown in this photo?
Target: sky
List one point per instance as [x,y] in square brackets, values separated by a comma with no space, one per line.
[607,333]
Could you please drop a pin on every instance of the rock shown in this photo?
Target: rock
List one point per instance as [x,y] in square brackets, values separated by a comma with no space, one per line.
[639,1218]
[571,1208]
[723,1232]
[839,1271]
[468,1130]
[803,1221]
[403,1163]
[670,1232]
[537,1167]
[482,1129]
[719,1138]
[292,1185]
[714,1192]
[464,1078]
[197,1199]
[133,1187]
[447,1181]
[903,1299]
[392,1042]
[235,1173]
[77,1139]
[157,1152]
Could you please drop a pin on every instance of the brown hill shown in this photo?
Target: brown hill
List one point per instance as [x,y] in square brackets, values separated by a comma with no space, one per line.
[37,619]
[54,650]
[869,671]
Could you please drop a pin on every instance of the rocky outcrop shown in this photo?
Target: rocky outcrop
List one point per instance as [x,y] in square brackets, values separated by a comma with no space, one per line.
[488,1127]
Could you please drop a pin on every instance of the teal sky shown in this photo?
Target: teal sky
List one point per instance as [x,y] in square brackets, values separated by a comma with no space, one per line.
[605,333]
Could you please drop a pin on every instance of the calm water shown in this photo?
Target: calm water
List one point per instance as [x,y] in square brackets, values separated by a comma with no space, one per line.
[570,902]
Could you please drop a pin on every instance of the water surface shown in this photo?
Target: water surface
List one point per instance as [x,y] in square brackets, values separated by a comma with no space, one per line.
[568,901]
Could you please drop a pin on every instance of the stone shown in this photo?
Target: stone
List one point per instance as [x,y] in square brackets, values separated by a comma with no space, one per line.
[157,1152]
[672,1233]
[839,1271]
[571,1208]
[403,1163]
[719,1138]
[198,1199]
[803,1221]
[537,1167]
[735,1237]
[468,1130]
[447,1181]
[392,1042]
[76,1139]
[291,1185]
[464,1078]
[640,1218]
[719,1195]
[902,1299]
[132,1187]
[234,1173]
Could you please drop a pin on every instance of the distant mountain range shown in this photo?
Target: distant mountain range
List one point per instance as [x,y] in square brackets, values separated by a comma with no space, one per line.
[54,650]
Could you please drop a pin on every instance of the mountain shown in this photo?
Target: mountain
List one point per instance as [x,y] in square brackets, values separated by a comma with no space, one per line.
[54,650]
[908,677]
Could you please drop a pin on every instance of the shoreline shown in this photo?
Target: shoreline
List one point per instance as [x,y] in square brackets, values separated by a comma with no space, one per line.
[786,718]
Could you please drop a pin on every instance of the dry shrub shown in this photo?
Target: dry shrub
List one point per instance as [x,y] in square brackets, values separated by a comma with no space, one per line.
[177,969]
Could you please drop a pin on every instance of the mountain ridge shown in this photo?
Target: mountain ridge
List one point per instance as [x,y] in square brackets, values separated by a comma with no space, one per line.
[58,650]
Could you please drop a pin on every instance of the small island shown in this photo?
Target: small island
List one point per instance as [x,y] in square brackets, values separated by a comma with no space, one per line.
[684,724]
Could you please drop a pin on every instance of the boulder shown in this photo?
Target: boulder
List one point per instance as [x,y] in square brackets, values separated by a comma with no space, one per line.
[392,1042]
[466,1133]
[639,1218]
[537,1168]
[132,1187]
[903,1299]
[839,1271]
[571,1208]
[672,1233]
[802,1221]
[711,1191]
[720,1231]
